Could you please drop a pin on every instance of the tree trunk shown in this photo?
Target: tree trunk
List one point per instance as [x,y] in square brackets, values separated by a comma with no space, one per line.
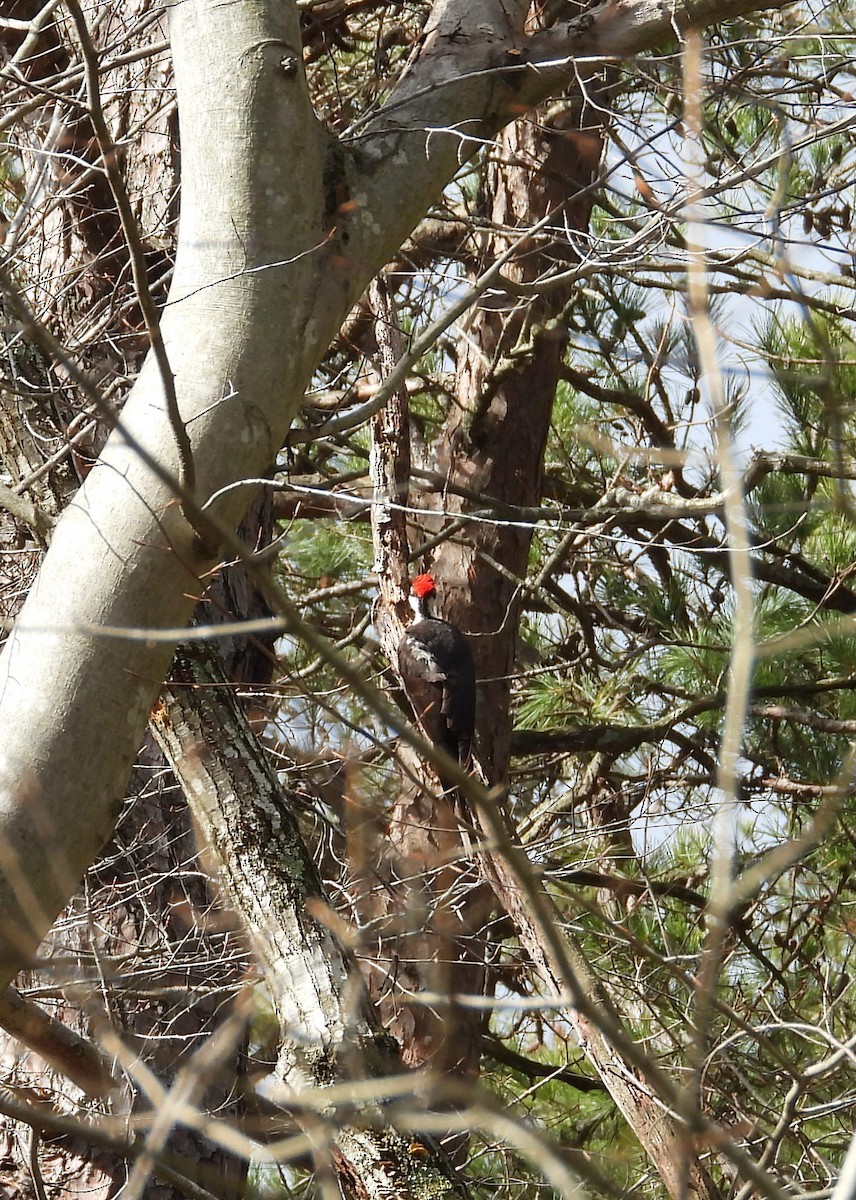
[431,906]
[508,370]
[329,1032]
[144,906]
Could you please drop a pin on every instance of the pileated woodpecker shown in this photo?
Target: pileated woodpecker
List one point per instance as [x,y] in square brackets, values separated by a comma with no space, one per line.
[436,667]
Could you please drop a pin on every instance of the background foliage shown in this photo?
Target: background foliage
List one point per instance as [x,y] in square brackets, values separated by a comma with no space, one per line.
[621,676]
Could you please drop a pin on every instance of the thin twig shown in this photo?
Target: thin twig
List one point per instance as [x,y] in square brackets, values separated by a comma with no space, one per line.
[26,512]
[743,634]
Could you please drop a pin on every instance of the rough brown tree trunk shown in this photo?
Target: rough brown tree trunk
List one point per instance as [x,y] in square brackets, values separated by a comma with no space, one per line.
[508,370]
[509,366]
[436,937]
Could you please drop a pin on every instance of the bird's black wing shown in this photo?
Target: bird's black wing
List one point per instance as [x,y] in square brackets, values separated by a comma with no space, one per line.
[436,666]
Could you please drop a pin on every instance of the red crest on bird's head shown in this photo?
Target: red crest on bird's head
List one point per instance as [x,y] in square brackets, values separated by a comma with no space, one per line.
[423,585]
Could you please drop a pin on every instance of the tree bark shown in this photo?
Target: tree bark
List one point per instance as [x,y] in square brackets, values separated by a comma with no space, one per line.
[510,365]
[143,898]
[431,907]
[329,1032]
[508,370]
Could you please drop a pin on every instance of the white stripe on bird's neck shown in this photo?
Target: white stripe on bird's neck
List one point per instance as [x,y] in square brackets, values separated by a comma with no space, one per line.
[421,606]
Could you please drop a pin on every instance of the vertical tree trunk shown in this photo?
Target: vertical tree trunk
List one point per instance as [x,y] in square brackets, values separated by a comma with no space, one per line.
[509,365]
[508,370]
[436,937]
